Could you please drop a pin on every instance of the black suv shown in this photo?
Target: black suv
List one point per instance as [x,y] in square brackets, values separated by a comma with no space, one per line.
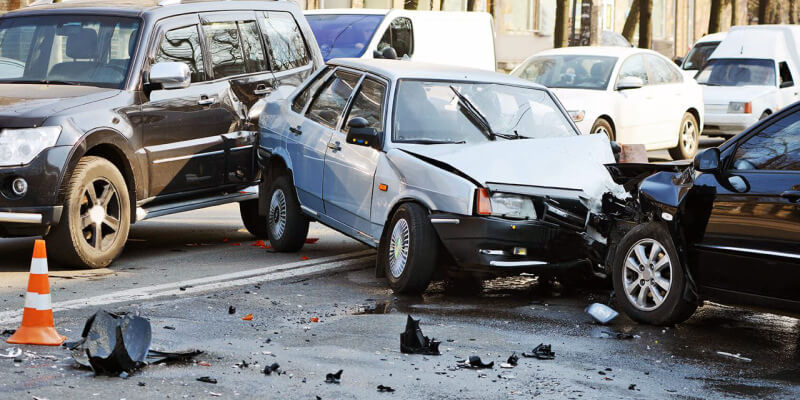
[113,112]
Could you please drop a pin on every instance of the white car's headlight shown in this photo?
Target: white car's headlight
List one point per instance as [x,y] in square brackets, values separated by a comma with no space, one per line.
[512,206]
[577,115]
[740,107]
[21,146]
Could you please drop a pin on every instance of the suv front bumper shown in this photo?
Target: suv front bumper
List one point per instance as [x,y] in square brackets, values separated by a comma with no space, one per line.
[28,221]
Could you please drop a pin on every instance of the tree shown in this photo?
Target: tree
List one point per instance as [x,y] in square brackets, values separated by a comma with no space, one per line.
[792,12]
[645,23]
[630,23]
[715,19]
[735,12]
[763,10]
[562,22]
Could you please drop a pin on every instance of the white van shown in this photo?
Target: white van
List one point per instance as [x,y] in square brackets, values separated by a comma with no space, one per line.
[750,76]
[698,55]
[440,37]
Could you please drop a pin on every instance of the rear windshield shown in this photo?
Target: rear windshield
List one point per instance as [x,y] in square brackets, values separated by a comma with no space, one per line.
[343,35]
[737,72]
[698,55]
[67,49]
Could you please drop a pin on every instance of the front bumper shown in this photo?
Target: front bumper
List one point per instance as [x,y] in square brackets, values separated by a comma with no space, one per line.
[28,221]
[490,243]
[724,124]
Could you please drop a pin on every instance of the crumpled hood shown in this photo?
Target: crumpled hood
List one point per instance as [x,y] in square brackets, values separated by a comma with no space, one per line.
[575,162]
[35,103]
[727,94]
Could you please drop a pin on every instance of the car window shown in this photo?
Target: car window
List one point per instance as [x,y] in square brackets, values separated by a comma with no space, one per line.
[698,55]
[569,71]
[777,147]
[786,75]
[327,107]
[368,104]
[633,66]
[737,72]
[183,45]
[400,36]
[225,49]
[253,49]
[301,99]
[661,71]
[287,48]
[343,35]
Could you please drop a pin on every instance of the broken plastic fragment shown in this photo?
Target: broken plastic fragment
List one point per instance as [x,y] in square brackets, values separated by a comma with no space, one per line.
[513,359]
[601,313]
[334,378]
[304,258]
[8,332]
[12,352]
[475,362]
[207,379]
[204,364]
[737,356]
[412,341]
[269,369]
[258,243]
[248,317]
[542,352]
[231,310]
[314,319]
[617,335]
[385,389]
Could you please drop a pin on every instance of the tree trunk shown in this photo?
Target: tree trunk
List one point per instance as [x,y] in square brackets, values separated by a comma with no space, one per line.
[630,23]
[792,12]
[734,12]
[645,23]
[562,23]
[596,30]
[411,4]
[715,18]
[763,9]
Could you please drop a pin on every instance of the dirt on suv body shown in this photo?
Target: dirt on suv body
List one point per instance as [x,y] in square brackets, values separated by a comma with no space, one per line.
[114,112]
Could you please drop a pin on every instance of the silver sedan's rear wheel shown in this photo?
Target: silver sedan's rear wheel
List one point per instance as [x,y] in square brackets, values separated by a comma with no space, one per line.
[287,226]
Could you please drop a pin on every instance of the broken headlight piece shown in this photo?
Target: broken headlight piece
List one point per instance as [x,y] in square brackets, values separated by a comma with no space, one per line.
[512,206]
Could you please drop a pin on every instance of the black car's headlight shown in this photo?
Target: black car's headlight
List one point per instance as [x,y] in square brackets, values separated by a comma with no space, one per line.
[21,146]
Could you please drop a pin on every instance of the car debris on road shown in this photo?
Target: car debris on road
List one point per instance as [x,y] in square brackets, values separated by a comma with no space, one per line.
[542,352]
[412,341]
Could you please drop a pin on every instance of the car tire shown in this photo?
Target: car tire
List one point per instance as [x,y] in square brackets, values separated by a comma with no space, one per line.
[408,250]
[688,139]
[255,224]
[96,206]
[604,127]
[649,286]
[287,226]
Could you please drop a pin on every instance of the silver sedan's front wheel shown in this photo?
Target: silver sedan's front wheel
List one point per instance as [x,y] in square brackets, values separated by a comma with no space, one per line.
[648,274]
[398,248]
[408,249]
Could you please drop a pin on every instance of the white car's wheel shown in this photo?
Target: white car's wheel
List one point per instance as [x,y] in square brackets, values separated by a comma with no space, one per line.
[688,139]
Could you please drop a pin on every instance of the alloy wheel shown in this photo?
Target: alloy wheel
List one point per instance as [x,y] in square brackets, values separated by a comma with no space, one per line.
[689,137]
[398,248]
[277,214]
[647,274]
[100,215]
[603,131]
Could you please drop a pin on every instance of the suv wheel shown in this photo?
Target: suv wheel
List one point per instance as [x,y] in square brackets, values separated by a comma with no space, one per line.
[688,139]
[408,251]
[255,224]
[95,222]
[287,227]
[649,279]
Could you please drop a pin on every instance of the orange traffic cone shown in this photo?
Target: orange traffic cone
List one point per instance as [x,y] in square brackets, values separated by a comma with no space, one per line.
[37,319]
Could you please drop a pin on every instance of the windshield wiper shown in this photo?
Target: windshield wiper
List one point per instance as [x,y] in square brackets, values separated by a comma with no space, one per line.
[431,141]
[41,81]
[472,114]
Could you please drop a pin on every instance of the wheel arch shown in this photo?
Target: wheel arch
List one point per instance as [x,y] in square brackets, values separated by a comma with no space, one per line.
[272,165]
[697,117]
[610,121]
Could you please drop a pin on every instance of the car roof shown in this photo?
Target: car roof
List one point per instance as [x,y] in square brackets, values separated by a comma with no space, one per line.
[612,51]
[149,7]
[358,11]
[402,69]
[712,37]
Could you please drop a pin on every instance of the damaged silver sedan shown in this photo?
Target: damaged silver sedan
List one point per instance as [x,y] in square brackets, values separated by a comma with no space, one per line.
[446,171]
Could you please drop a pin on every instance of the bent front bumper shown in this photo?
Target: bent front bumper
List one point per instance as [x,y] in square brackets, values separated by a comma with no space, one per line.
[481,243]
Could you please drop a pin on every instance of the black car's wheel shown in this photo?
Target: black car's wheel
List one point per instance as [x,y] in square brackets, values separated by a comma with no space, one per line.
[688,139]
[255,224]
[649,279]
[287,226]
[95,222]
[601,126]
[408,250]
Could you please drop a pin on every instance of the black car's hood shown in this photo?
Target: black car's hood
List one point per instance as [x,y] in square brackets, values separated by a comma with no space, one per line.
[28,105]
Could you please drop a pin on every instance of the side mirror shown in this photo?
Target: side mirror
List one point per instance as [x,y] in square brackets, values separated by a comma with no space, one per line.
[678,61]
[707,160]
[786,84]
[630,82]
[171,75]
[388,53]
[359,133]
[256,110]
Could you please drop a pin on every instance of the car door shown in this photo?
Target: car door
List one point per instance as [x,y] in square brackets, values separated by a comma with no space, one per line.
[289,55]
[666,89]
[239,65]
[349,167]
[310,134]
[752,240]
[182,129]
[635,107]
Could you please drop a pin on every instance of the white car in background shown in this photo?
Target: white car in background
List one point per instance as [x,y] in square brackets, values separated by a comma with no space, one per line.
[700,52]
[634,96]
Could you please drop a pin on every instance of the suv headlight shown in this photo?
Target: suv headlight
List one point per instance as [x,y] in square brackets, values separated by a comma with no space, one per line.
[739,107]
[21,146]
[512,206]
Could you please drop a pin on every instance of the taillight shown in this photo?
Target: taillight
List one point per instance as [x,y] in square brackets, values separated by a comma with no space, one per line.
[483,203]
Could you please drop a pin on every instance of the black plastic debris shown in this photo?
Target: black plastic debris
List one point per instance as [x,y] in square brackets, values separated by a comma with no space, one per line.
[231,310]
[513,359]
[412,341]
[632,386]
[269,369]
[542,352]
[172,328]
[606,333]
[385,389]
[8,332]
[207,379]
[334,378]
[475,362]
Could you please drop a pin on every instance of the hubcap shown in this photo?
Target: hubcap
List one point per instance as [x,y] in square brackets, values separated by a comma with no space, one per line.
[688,137]
[277,214]
[603,131]
[100,215]
[398,248]
[647,275]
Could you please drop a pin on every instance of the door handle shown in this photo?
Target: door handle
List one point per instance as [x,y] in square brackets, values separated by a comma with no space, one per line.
[206,100]
[336,146]
[792,195]
[296,131]
[262,89]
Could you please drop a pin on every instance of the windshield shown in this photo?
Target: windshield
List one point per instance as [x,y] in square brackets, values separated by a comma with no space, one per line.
[569,71]
[698,55]
[67,49]
[343,35]
[442,112]
[737,72]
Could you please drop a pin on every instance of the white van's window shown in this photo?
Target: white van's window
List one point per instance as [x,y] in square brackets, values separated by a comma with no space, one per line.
[569,71]
[737,72]
[698,55]
[287,48]
[399,36]
[786,75]
[431,113]
[343,35]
